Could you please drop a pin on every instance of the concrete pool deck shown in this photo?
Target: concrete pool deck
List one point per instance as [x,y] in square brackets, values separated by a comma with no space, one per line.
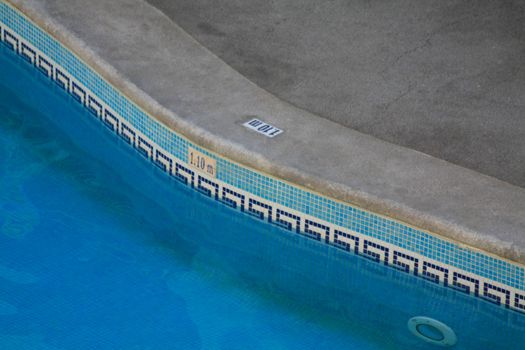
[169,74]
[445,78]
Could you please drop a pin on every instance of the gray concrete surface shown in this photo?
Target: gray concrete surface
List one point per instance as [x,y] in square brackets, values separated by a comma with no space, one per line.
[155,63]
[442,77]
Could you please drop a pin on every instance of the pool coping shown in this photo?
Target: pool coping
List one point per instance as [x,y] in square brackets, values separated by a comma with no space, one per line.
[453,202]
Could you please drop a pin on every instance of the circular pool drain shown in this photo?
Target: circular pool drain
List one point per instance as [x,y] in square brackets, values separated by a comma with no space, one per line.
[432,331]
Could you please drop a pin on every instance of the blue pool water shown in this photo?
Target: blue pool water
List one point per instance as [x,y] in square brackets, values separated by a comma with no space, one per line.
[101,250]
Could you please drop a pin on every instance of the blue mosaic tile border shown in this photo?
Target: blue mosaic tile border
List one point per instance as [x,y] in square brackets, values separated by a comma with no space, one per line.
[383,240]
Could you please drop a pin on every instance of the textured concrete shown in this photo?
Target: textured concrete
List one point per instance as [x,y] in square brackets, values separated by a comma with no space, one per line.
[443,77]
[155,63]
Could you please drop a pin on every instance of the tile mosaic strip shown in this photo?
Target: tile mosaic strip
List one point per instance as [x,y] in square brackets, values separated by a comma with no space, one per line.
[308,214]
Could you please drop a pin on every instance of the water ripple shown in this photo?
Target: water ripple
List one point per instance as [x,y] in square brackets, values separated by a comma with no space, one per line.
[15,276]
[7,309]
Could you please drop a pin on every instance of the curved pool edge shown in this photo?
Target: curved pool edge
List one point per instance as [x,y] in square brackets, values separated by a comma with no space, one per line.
[474,189]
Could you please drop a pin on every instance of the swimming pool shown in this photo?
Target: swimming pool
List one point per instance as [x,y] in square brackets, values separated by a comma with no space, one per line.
[101,250]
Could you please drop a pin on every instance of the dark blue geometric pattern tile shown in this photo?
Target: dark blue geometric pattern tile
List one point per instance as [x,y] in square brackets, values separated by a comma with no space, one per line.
[519,302]
[346,241]
[211,189]
[405,262]
[496,295]
[10,40]
[61,79]
[259,209]
[465,283]
[184,174]
[45,67]
[94,106]
[144,147]
[112,122]
[375,255]
[78,93]
[28,53]
[287,220]
[232,198]
[435,273]
[127,134]
[163,161]
[316,231]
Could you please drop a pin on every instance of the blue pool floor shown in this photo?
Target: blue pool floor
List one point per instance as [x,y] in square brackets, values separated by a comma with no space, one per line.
[101,250]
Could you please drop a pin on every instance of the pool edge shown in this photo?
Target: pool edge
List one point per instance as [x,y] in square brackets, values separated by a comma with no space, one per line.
[394,211]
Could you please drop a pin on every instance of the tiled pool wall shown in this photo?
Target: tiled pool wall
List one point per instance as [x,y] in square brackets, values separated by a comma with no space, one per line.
[356,231]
